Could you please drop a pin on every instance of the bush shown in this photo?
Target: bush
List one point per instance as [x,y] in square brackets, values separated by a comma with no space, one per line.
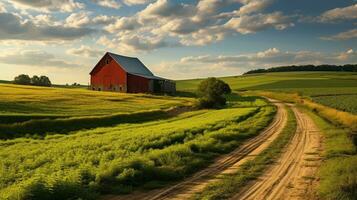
[211,92]
[22,79]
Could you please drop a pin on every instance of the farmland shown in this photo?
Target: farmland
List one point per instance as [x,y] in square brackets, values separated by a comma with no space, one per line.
[63,143]
[114,158]
[336,90]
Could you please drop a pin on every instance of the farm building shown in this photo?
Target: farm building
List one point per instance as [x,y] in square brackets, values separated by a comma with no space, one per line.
[127,74]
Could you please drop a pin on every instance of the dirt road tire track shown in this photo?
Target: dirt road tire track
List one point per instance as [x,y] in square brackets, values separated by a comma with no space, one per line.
[293,175]
[224,164]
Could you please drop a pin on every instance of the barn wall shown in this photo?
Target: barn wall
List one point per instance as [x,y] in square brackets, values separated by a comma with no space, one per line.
[108,77]
[138,84]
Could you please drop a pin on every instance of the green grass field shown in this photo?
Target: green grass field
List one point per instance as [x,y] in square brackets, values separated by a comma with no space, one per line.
[334,89]
[120,158]
[61,102]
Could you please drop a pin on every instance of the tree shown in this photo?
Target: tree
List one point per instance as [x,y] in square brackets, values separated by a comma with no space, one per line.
[22,79]
[35,80]
[212,93]
[45,81]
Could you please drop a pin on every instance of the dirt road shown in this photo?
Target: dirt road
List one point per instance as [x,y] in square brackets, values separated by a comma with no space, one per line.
[293,175]
[224,164]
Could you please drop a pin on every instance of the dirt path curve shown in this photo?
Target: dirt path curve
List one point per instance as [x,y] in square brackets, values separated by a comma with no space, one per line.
[224,164]
[293,176]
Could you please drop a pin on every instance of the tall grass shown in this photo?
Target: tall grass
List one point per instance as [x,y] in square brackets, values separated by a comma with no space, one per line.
[122,158]
[338,173]
[228,185]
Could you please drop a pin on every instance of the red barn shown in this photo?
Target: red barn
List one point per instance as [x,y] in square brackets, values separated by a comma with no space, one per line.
[127,74]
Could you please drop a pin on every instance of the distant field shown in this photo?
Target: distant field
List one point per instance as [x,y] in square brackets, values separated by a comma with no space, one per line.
[61,102]
[323,87]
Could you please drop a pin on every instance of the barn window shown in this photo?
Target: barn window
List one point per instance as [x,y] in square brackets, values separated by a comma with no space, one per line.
[107,61]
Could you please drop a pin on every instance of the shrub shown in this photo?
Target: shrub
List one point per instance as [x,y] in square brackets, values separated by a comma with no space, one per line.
[22,79]
[211,92]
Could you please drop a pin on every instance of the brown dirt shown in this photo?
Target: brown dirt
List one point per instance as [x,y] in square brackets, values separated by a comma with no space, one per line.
[293,176]
[222,165]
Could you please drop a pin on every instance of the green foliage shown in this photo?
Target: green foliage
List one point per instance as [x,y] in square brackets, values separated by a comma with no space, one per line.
[211,92]
[119,159]
[231,184]
[22,79]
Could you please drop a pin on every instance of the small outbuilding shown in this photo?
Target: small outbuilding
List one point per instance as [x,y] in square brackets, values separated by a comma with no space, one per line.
[127,74]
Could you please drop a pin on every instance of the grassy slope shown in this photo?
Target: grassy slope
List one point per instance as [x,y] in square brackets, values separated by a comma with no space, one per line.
[229,185]
[41,101]
[125,156]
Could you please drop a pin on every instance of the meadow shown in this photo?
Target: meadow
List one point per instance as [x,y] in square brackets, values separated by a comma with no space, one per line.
[21,103]
[120,158]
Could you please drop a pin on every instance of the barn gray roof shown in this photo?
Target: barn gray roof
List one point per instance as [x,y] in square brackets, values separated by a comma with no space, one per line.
[132,65]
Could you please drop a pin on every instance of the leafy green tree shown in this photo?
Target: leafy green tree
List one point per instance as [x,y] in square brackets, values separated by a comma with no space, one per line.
[45,81]
[35,80]
[22,79]
[212,93]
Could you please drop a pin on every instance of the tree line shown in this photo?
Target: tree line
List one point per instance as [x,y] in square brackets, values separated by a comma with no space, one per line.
[293,68]
[24,79]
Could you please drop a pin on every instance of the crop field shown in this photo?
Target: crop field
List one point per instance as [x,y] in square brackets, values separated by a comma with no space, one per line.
[120,158]
[341,102]
[323,87]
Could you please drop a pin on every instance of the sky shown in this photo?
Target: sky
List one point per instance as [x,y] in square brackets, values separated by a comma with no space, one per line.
[176,39]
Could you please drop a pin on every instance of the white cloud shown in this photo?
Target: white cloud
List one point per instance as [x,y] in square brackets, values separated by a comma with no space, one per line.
[123,24]
[166,8]
[342,36]
[274,57]
[35,58]
[108,3]
[253,23]
[44,19]
[48,5]
[228,65]
[346,13]
[192,24]
[104,19]
[136,2]
[85,51]
[14,28]
[2,7]
[252,6]
[131,43]
[77,19]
